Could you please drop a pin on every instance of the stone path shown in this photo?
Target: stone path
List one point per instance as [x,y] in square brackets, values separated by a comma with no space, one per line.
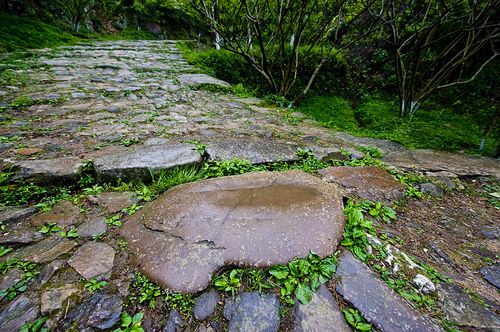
[135,107]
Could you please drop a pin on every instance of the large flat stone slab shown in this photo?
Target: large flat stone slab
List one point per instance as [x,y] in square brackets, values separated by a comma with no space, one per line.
[438,161]
[368,182]
[18,312]
[492,274]
[43,251]
[252,312]
[93,259]
[139,163]
[65,169]
[255,219]
[322,313]
[199,79]
[255,151]
[376,301]
[462,310]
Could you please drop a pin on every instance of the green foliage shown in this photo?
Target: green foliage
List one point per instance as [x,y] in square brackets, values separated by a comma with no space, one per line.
[23,101]
[4,250]
[432,127]
[70,234]
[274,100]
[303,276]
[200,147]
[355,230]
[217,168]
[50,228]
[356,320]
[184,303]
[29,269]
[379,211]
[36,326]
[147,290]
[21,33]
[93,285]
[114,220]
[229,281]
[129,323]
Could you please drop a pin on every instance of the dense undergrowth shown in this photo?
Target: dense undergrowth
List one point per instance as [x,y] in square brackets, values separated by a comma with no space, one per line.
[334,102]
[21,33]
[431,128]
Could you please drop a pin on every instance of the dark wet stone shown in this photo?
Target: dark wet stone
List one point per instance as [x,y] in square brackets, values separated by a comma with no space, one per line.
[175,323]
[252,312]
[43,251]
[63,214]
[376,301]
[206,305]
[255,151]
[198,79]
[116,201]
[10,278]
[101,311]
[65,169]
[484,252]
[490,232]
[255,219]
[5,146]
[367,182]
[141,162]
[48,271]
[20,235]
[92,227]
[18,312]
[460,308]
[441,253]
[93,259]
[53,298]
[322,313]
[492,274]
[430,189]
[14,214]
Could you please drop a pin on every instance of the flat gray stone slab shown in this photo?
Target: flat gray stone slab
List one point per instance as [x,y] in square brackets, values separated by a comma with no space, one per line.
[17,313]
[14,214]
[93,259]
[459,308]
[492,274]
[367,182]
[252,312]
[198,79]
[139,163]
[376,301]
[206,304]
[43,251]
[64,169]
[254,219]
[255,151]
[322,313]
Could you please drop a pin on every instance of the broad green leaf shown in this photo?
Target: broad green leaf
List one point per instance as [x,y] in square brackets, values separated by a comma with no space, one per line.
[279,271]
[303,293]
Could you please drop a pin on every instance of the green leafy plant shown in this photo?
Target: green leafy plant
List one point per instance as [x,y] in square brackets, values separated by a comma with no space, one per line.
[184,303]
[200,147]
[371,151]
[114,220]
[229,281]
[93,285]
[303,276]
[217,168]
[130,323]
[72,233]
[356,320]
[257,279]
[132,209]
[355,230]
[36,326]
[147,290]
[379,211]
[29,269]
[130,141]
[4,250]
[50,228]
